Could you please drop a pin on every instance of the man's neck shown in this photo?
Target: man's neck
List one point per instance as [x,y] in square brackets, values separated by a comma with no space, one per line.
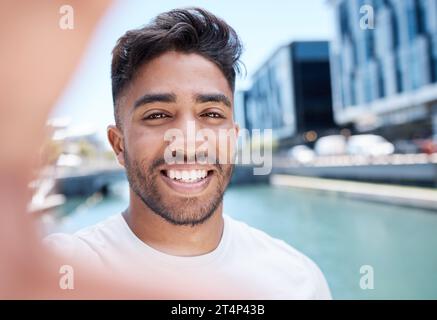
[172,239]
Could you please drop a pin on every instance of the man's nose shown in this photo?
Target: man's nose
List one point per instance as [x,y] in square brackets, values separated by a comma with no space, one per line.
[190,147]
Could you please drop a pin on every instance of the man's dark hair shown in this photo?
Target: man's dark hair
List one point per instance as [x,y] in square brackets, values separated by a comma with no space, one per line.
[190,30]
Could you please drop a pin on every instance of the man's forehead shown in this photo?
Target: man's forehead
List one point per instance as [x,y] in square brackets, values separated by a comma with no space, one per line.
[181,71]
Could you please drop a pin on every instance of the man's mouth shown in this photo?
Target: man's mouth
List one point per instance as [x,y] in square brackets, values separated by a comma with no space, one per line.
[188,176]
[187,180]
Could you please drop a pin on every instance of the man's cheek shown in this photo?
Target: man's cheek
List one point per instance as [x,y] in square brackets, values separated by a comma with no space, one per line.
[227,145]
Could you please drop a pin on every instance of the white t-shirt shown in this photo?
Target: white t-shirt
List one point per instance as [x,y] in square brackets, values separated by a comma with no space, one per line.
[249,259]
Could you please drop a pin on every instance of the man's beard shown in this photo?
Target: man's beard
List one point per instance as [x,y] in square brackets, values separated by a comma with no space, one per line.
[176,210]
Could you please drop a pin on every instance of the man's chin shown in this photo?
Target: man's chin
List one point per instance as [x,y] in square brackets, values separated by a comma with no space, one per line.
[182,219]
[179,209]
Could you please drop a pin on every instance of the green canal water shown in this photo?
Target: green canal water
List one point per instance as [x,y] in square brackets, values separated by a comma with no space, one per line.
[339,234]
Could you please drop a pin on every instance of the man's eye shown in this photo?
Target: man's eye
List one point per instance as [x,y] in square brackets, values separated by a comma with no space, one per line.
[212,115]
[156,116]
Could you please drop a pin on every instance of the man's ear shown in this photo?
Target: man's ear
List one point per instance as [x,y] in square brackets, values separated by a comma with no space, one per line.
[237,129]
[115,138]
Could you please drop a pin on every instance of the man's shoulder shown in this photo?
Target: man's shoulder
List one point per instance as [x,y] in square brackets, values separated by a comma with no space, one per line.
[261,240]
[87,241]
[280,256]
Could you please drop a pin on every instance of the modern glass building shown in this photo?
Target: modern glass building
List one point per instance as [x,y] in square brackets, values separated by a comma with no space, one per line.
[291,93]
[384,66]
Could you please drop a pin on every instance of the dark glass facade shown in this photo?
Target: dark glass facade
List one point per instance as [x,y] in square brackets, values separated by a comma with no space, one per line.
[291,92]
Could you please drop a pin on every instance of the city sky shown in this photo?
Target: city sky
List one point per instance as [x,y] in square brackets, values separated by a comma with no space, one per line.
[263,26]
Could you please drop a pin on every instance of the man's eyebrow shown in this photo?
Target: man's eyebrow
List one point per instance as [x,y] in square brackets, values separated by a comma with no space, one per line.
[213,97]
[155,97]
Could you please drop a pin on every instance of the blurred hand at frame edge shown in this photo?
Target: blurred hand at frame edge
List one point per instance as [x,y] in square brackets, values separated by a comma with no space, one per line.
[37,60]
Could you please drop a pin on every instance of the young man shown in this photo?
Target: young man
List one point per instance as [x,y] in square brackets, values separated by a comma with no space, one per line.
[176,74]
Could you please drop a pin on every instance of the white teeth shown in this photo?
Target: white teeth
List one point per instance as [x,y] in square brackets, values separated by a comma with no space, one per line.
[187,176]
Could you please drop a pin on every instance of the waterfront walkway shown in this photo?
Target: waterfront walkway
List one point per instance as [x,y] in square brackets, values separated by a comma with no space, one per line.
[425,198]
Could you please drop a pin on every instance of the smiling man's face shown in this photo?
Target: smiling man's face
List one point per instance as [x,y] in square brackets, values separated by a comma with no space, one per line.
[173,91]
